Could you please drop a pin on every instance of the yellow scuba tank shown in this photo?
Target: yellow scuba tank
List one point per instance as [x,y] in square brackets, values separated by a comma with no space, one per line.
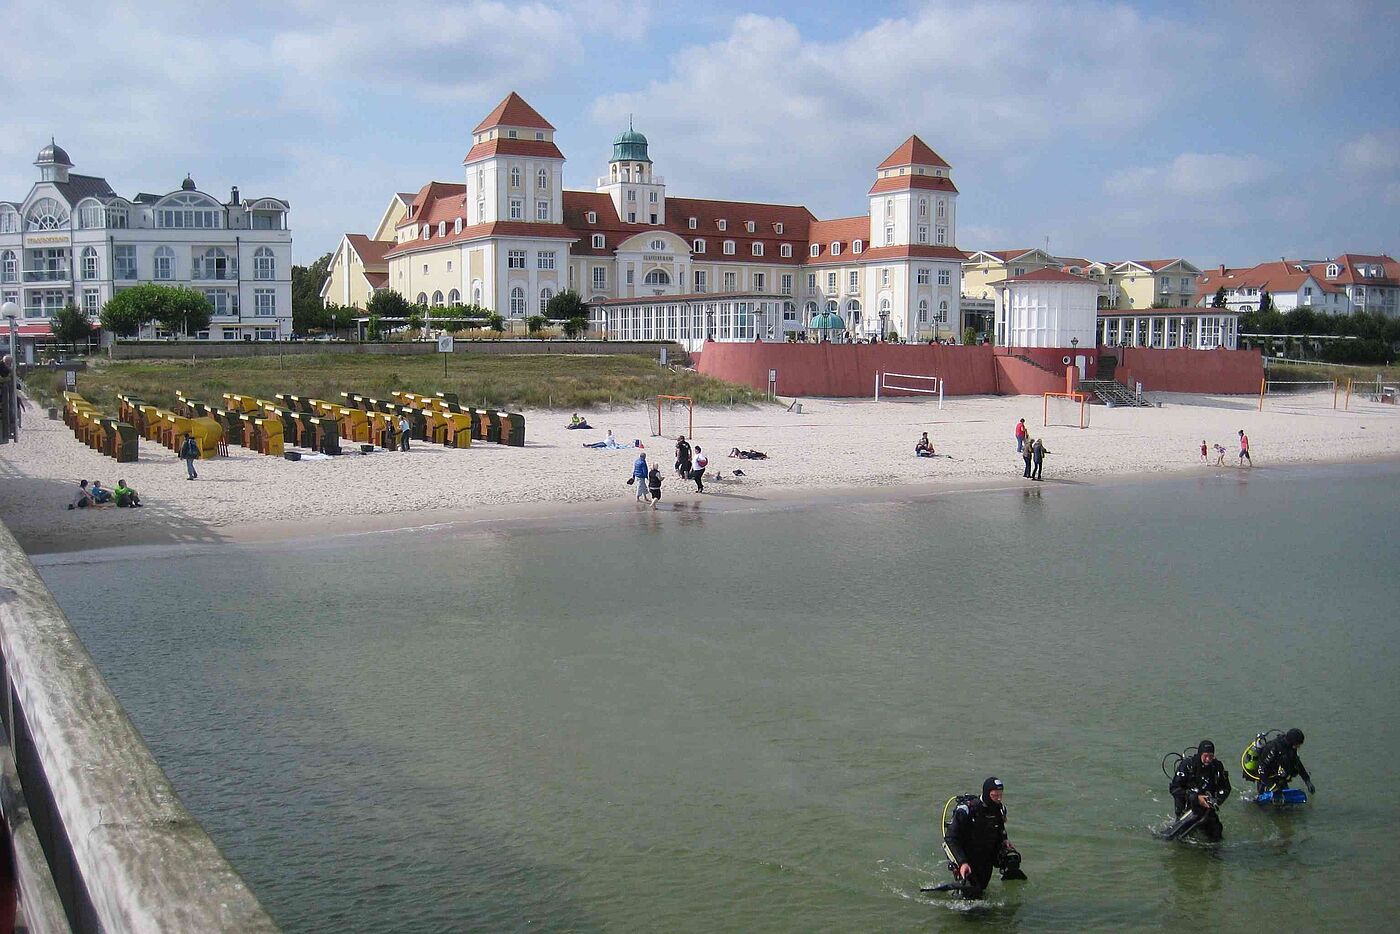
[1249,759]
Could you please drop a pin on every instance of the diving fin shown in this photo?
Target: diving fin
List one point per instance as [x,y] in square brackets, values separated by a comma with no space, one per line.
[1184,825]
[959,887]
[1013,875]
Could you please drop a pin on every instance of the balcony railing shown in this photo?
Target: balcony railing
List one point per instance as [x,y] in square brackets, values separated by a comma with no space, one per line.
[52,274]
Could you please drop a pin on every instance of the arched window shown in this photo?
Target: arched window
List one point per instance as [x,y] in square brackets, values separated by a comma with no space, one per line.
[923,207]
[810,311]
[515,176]
[545,295]
[89,264]
[9,267]
[422,298]
[517,302]
[189,211]
[852,312]
[214,263]
[9,219]
[454,297]
[164,267]
[657,277]
[264,263]
[457,226]
[46,214]
[442,228]
[476,293]
[427,232]
[542,180]
[437,299]
[480,181]
[831,307]
[91,215]
[923,310]
[943,312]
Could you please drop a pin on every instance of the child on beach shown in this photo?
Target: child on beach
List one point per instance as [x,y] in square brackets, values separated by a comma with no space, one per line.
[654,484]
[1220,455]
[1205,456]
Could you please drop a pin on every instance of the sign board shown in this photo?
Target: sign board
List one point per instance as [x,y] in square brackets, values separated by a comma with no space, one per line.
[663,356]
[445,343]
[772,376]
[70,379]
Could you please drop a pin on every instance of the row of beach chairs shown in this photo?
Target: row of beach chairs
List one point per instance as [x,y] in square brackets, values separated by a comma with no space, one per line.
[494,427]
[103,433]
[168,428]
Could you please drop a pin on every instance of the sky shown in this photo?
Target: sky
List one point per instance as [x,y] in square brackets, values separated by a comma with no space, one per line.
[1225,132]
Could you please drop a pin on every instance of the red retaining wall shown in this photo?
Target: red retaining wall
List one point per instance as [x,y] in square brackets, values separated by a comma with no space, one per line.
[1019,378]
[848,370]
[1213,371]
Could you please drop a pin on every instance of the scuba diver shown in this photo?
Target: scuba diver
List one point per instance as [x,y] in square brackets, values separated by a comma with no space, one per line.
[1199,786]
[1272,763]
[975,841]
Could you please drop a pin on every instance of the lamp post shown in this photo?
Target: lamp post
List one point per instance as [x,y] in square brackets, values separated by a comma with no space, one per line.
[709,324]
[11,312]
[758,324]
[884,324]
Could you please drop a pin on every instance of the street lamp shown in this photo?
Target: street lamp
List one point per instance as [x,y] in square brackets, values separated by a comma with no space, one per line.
[884,323]
[758,324]
[11,312]
[709,324]
[1074,342]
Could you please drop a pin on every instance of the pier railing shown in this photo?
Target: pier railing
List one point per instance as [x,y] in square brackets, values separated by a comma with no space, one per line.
[100,839]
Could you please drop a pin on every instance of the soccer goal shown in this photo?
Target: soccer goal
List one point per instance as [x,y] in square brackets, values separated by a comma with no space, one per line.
[909,382]
[1068,409]
[1300,395]
[672,416]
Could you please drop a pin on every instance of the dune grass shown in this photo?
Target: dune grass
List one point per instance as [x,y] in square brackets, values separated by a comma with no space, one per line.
[494,381]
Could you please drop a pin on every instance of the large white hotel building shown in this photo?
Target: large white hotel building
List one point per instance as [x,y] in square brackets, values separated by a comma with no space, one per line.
[73,240]
[651,265]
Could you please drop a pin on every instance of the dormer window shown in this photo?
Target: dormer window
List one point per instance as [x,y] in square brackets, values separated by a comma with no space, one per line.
[442,228]
[598,241]
[858,246]
[1331,270]
[723,224]
[778,228]
[427,231]
[658,246]
[785,250]
[698,246]
[592,217]
[539,135]
[457,226]
[836,248]
[748,226]
[729,248]
[513,135]
[757,249]
[816,249]
[694,223]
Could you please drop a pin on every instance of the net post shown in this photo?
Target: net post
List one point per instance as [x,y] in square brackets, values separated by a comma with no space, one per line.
[877,385]
[1262,383]
[940,393]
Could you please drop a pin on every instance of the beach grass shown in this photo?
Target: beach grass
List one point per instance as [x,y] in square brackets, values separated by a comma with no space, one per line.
[494,381]
[1286,370]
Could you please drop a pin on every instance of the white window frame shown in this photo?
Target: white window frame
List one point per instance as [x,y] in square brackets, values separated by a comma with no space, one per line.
[858,246]
[163,264]
[517,209]
[600,278]
[541,210]
[693,223]
[757,249]
[945,277]
[264,264]
[542,180]
[816,249]
[729,248]
[785,250]
[544,259]
[599,242]
[516,259]
[264,303]
[698,246]
[922,277]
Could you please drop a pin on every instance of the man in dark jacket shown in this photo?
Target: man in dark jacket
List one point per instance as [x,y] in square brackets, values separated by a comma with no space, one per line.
[976,841]
[189,453]
[1279,763]
[1038,452]
[1201,785]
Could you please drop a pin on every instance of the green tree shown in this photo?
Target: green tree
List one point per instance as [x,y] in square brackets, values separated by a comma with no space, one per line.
[176,309]
[1266,304]
[575,326]
[71,326]
[1303,320]
[564,306]
[387,303]
[341,318]
[496,323]
[375,331]
[1219,300]
[307,310]
[535,323]
[415,320]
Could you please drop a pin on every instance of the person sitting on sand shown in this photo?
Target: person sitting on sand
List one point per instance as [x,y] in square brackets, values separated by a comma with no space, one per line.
[577,422]
[748,455]
[126,496]
[924,448]
[83,499]
[100,496]
[609,442]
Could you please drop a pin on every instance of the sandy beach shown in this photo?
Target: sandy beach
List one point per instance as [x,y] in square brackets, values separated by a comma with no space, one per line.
[835,447]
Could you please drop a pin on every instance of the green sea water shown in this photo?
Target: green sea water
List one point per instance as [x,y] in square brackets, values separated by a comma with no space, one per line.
[748,720]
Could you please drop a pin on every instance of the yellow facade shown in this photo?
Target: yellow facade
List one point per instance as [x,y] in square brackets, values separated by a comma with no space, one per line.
[983,269]
[1154,283]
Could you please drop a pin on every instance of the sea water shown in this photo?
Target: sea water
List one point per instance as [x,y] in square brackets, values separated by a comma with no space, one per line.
[749,719]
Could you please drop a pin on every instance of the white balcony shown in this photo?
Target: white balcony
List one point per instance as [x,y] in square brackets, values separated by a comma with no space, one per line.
[48,274]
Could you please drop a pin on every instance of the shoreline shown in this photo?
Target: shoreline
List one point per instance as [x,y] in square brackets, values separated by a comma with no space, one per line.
[574,516]
[836,451]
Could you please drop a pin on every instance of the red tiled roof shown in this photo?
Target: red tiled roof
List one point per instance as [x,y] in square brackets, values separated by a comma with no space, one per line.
[428,194]
[843,231]
[478,231]
[513,111]
[377,280]
[913,151]
[530,148]
[371,252]
[1007,256]
[874,254]
[1347,274]
[904,182]
[1278,276]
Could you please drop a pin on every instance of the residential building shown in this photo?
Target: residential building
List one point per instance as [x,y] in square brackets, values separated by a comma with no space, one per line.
[1341,285]
[73,240]
[1154,283]
[510,238]
[358,266]
[984,270]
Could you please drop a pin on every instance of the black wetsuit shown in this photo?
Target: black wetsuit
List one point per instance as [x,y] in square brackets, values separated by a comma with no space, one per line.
[1279,763]
[1194,778]
[977,836]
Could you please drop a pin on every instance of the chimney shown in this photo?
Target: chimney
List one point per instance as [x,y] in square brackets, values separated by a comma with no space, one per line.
[1222,265]
[233,195]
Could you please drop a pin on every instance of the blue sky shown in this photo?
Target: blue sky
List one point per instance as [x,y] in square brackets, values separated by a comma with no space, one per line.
[1224,132]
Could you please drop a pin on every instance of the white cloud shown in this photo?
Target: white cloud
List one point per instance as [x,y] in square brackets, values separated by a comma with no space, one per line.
[790,115]
[1376,152]
[1191,175]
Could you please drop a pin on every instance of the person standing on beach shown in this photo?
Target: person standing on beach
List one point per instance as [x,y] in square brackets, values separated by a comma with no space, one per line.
[189,453]
[682,458]
[639,476]
[1205,453]
[1020,436]
[1026,445]
[654,484]
[404,428]
[698,473]
[1244,449]
[1038,452]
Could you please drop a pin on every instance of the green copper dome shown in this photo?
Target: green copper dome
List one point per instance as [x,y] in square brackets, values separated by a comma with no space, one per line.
[630,146]
[827,321]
